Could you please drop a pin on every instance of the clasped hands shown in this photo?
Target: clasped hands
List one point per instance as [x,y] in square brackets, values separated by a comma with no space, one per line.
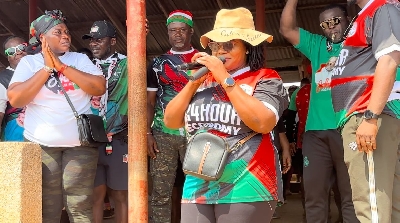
[50,59]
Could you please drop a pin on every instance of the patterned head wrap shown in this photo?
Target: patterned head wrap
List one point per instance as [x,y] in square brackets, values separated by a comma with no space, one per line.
[180,16]
[45,22]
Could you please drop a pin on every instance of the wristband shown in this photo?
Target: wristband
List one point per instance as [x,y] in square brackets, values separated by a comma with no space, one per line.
[63,68]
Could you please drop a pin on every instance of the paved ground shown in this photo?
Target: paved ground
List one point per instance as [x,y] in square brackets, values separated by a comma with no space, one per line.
[291,212]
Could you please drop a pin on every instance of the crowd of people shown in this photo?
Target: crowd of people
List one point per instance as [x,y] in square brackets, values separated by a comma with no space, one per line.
[339,130]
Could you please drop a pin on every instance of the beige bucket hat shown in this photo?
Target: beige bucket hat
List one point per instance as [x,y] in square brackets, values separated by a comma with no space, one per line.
[234,24]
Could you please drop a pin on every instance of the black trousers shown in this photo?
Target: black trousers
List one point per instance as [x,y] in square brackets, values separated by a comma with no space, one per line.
[323,163]
[252,212]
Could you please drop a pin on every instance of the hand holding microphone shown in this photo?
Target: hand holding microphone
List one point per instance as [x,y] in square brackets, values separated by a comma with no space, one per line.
[202,69]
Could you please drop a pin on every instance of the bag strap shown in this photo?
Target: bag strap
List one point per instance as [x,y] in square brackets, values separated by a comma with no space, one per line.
[242,141]
[66,95]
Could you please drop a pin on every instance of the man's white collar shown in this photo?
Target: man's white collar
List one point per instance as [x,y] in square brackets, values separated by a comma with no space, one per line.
[111,58]
[184,52]
[10,68]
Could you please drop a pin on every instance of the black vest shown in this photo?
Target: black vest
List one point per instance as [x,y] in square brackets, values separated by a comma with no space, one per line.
[5,77]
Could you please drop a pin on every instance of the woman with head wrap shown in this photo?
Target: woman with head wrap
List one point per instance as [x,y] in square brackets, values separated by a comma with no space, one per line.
[68,168]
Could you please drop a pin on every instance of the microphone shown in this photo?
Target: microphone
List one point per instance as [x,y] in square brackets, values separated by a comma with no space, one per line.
[194,65]
[203,70]
[189,66]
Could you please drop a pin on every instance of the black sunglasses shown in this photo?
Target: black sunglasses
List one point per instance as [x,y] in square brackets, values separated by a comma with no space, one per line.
[215,46]
[13,50]
[330,23]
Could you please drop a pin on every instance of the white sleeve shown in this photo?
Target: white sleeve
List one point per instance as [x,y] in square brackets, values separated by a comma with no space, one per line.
[3,99]
[23,72]
[87,66]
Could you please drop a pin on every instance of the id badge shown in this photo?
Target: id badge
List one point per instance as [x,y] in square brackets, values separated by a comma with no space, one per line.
[109,147]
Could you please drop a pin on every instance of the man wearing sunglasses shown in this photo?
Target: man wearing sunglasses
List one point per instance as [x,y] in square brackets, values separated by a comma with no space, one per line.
[322,144]
[11,119]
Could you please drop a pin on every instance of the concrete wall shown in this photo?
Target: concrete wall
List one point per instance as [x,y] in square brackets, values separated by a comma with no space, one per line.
[20,183]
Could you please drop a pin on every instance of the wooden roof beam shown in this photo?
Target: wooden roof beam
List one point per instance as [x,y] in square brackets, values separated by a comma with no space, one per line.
[210,14]
[111,14]
[221,5]
[10,26]
[5,34]
[162,8]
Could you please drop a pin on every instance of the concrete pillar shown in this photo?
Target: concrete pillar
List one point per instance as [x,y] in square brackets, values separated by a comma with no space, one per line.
[20,182]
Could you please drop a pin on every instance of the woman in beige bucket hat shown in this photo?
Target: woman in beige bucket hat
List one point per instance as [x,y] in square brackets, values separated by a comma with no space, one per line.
[234,100]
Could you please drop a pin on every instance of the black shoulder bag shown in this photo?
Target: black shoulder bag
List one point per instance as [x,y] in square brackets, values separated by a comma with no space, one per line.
[90,127]
[207,155]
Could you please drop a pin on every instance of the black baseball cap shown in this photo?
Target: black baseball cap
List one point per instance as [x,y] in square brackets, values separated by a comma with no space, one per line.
[101,29]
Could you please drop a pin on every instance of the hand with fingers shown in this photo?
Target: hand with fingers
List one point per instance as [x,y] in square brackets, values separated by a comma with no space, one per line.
[286,161]
[292,148]
[57,62]
[48,60]
[366,135]
[147,27]
[214,64]
[152,146]
[195,58]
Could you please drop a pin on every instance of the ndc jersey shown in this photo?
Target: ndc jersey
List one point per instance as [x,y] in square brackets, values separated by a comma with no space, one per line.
[163,77]
[251,173]
[302,105]
[374,33]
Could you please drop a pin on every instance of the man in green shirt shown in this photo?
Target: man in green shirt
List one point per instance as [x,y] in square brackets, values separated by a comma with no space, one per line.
[322,143]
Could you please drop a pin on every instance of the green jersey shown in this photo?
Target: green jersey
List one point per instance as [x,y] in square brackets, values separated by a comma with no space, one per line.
[320,114]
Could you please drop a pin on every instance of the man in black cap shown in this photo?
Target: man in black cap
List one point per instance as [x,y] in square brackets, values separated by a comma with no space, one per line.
[112,168]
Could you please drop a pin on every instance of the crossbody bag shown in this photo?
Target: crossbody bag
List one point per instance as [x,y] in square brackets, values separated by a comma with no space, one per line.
[207,155]
[90,127]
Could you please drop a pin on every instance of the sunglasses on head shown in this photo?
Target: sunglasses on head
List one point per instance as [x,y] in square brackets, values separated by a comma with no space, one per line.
[330,23]
[15,49]
[215,46]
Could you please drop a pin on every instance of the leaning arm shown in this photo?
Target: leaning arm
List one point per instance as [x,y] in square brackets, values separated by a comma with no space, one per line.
[385,74]
[22,93]
[91,84]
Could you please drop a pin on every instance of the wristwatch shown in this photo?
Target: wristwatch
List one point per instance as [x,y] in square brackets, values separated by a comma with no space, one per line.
[228,82]
[48,69]
[368,115]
